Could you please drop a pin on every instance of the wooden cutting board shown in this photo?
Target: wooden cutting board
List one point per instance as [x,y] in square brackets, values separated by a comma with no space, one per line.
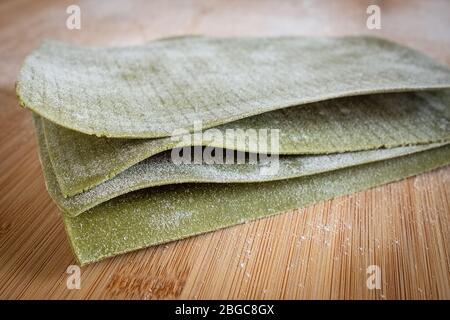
[323,251]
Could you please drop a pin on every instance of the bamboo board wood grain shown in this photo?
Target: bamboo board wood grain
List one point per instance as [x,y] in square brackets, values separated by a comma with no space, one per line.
[322,251]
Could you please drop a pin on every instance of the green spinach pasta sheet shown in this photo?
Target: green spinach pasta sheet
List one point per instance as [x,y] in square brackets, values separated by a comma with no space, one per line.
[151,90]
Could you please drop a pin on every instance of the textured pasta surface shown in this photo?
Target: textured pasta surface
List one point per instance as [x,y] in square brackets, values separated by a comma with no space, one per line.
[352,113]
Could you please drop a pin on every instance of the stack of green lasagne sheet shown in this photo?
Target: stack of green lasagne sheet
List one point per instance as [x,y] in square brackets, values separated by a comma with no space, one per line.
[308,118]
